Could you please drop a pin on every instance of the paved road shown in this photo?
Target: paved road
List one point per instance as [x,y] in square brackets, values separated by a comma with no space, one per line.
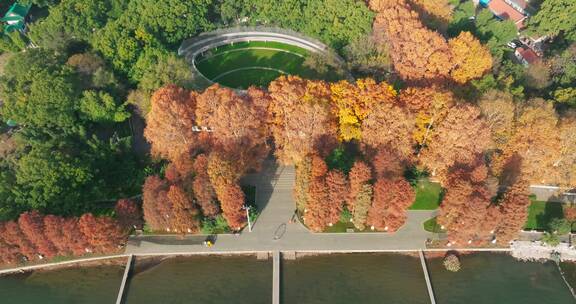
[273,230]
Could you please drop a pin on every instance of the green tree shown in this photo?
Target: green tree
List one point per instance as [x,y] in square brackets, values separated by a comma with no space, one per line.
[50,180]
[566,96]
[495,33]
[40,93]
[336,22]
[555,17]
[71,20]
[157,67]
[461,18]
[149,24]
[101,107]
[559,226]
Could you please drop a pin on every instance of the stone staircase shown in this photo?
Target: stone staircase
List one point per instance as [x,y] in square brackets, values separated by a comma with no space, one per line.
[284,178]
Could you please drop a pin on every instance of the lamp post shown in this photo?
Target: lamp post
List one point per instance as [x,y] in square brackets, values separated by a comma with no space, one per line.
[247,208]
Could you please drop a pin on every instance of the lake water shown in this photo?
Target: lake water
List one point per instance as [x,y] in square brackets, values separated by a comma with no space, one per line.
[354,278]
[485,278]
[87,285]
[498,278]
[205,280]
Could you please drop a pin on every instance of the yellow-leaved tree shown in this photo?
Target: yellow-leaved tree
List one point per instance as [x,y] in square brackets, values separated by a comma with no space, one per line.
[352,103]
[470,58]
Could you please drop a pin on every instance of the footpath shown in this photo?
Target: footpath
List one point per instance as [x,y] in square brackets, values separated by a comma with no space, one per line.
[274,230]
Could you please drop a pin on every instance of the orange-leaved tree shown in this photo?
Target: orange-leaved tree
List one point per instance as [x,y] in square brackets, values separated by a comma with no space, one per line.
[302,122]
[170,122]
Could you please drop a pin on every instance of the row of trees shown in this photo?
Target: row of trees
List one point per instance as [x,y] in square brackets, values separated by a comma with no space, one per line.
[424,126]
[35,236]
[205,166]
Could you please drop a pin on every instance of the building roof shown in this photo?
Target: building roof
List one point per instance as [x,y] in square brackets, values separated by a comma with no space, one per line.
[506,12]
[528,54]
[14,17]
[521,3]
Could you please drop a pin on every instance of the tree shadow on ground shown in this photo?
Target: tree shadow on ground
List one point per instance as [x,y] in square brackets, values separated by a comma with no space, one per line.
[551,211]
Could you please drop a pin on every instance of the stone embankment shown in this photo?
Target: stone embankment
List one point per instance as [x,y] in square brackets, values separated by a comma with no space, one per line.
[537,250]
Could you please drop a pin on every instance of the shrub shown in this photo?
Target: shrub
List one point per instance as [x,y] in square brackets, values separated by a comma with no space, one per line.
[345,216]
[215,225]
[550,239]
[452,262]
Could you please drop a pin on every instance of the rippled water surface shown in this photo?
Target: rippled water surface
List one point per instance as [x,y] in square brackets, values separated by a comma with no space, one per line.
[498,278]
[205,280]
[354,278]
[86,285]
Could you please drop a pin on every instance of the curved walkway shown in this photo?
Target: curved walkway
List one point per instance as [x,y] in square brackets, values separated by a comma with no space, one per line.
[190,48]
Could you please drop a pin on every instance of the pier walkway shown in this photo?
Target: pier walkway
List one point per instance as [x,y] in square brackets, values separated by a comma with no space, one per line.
[120,297]
[427,278]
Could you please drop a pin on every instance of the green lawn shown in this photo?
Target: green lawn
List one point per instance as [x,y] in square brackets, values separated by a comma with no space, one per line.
[239,79]
[340,227]
[541,213]
[262,44]
[219,65]
[428,195]
[431,226]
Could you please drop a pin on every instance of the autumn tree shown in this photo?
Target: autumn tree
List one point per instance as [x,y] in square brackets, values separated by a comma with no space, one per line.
[301,118]
[391,199]
[104,234]
[169,122]
[360,196]
[498,110]
[566,162]
[232,200]
[153,198]
[353,103]
[536,139]
[418,54]
[224,175]
[76,241]
[387,164]
[464,211]
[9,253]
[203,190]
[237,124]
[13,235]
[337,187]
[439,10]
[65,234]
[128,213]
[429,105]
[470,58]
[32,225]
[388,125]
[316,212]
[514,208]
[302,183]
[53,229]
[459,138]
[184,215]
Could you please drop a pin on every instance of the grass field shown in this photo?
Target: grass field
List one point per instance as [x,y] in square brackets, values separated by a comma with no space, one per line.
[428,195]
[257,63]
[432,226]
[541,213]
